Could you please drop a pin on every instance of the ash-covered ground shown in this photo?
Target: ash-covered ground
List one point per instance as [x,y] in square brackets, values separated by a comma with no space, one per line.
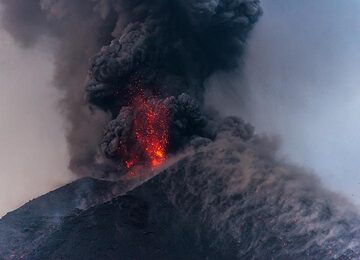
[221,199]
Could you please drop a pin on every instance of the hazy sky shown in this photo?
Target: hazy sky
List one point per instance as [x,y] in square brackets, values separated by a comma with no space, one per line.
[302,72]
[33,149]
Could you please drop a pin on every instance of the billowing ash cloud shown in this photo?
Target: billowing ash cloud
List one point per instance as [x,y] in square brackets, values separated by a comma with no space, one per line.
[166,47]
[169,47]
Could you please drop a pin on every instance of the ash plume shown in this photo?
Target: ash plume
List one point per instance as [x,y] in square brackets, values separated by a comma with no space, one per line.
[168,47]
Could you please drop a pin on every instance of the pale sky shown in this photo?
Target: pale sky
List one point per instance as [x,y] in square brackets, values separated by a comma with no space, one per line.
[302,69]
[32,144]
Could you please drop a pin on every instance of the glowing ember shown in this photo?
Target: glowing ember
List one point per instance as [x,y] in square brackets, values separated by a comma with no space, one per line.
[151,126]
[151,132]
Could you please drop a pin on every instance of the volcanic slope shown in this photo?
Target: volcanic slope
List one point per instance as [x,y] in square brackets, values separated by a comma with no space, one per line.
[24,229]
[224,199]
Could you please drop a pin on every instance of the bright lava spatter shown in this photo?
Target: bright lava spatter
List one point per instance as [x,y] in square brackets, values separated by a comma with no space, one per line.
[151,132]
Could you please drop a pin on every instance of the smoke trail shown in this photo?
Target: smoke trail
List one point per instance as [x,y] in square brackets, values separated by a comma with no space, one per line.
[80,29]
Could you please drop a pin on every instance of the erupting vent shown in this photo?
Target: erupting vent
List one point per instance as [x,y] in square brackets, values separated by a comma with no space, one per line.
[150,130]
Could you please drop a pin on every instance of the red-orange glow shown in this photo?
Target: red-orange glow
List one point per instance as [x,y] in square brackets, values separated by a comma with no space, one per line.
[151,127]
[130,164]
[150,132]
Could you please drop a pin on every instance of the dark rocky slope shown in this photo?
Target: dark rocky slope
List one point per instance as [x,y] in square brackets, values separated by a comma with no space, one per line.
[29,226]
[223,200]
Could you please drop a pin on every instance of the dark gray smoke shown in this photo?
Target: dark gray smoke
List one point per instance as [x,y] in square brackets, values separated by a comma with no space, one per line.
[169,47]
[165,47]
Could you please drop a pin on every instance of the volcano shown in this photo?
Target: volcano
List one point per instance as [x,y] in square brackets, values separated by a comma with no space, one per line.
[168,177]
[220,200]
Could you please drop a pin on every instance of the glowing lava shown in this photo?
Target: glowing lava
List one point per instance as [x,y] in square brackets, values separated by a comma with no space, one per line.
[151,132]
